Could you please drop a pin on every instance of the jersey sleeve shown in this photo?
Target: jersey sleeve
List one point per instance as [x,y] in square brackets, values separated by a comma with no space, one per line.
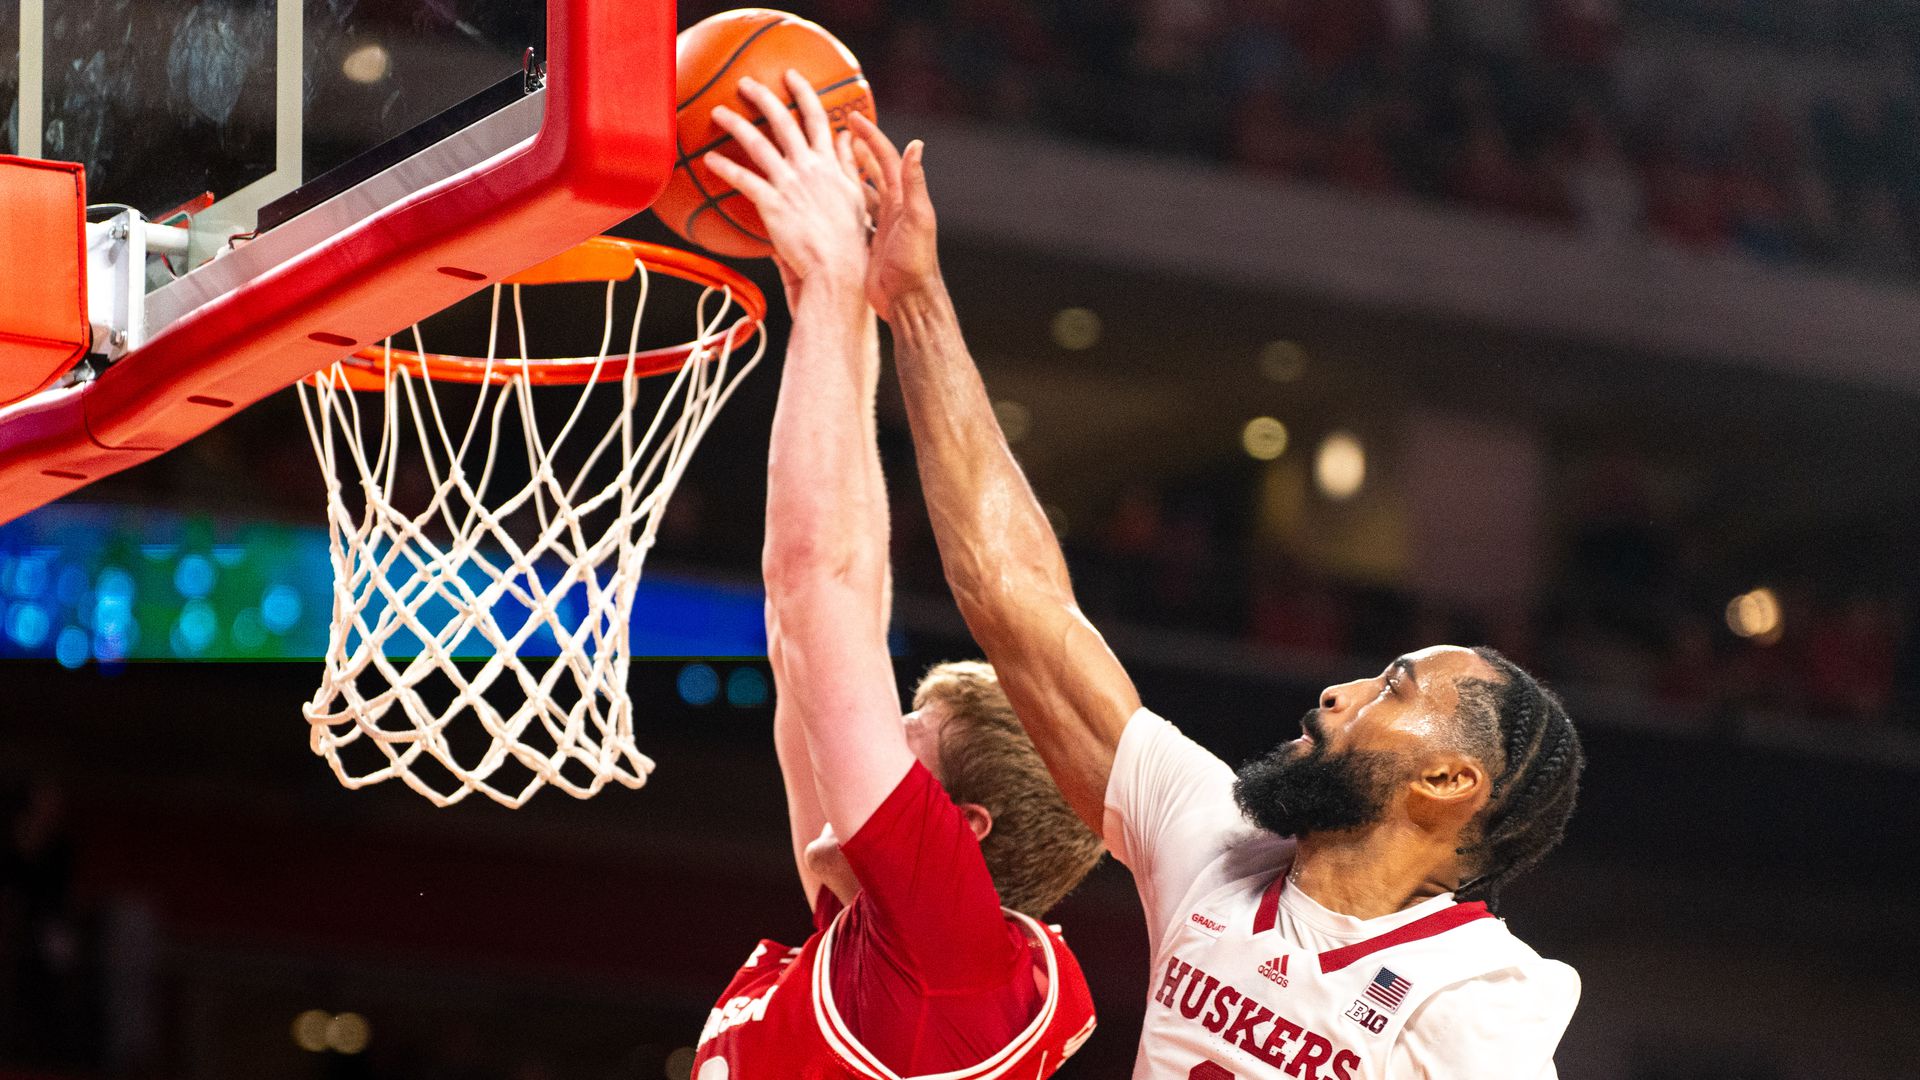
[931,898]
[1169,813]
[825,907]
[1503,1026]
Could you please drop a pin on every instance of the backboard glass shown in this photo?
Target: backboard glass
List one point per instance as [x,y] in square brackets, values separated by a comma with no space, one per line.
[479,137]
[164,100]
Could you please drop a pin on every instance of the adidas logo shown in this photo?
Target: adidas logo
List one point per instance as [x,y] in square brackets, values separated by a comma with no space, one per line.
[1275,970]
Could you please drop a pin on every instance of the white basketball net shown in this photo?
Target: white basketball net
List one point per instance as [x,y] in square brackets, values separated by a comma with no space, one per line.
[480,637]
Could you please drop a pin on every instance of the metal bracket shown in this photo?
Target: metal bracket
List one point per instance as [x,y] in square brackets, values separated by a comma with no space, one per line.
[117,253]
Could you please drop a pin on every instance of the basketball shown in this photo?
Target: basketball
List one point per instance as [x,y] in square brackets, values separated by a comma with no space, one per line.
[713,55]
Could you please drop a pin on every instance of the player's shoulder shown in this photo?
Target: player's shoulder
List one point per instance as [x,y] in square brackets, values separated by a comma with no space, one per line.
[1250,858]
[1523,956]
[1519,1003]
[1513,976]
[1151,738]
[1247,860]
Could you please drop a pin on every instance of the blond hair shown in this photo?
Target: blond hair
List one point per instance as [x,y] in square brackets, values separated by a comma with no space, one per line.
[1038,849]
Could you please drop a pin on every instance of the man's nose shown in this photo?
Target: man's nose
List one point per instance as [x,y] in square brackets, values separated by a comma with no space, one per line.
[1335,698]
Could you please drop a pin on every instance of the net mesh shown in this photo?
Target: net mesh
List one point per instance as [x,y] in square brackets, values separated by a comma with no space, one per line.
[485,568]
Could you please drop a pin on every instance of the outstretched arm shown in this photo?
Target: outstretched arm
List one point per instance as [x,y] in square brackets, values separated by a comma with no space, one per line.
[804,816]
[825,557]
[1002,560]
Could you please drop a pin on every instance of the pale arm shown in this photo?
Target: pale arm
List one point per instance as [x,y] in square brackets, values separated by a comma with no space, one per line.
[804,816]
[1001,557]
[825,555]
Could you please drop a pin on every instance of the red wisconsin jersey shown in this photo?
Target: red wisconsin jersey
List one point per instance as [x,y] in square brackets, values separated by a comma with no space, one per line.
[777,1020]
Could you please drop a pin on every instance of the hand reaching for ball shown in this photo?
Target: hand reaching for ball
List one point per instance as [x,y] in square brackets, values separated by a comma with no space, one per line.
[805,185]
[904,258]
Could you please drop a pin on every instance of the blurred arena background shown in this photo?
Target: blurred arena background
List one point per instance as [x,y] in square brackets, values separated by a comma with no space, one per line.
[1581,328]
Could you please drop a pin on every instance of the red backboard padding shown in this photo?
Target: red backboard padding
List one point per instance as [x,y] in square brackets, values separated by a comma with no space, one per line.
[602,155]
[43,273]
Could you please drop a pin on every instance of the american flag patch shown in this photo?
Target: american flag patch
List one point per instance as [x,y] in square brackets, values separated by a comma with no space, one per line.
[1388,989]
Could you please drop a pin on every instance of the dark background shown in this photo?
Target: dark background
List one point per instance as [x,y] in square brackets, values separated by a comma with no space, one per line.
[180,879]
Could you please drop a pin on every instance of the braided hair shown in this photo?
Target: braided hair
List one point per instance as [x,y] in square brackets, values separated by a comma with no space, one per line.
[1526,738]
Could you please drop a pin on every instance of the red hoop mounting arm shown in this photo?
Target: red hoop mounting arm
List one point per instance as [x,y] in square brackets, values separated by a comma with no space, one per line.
[603,153]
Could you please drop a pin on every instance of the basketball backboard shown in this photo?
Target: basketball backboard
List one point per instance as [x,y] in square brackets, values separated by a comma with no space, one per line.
[348,167]
[165,101]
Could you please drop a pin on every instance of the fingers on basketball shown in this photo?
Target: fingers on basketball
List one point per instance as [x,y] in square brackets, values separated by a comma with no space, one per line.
[714,55]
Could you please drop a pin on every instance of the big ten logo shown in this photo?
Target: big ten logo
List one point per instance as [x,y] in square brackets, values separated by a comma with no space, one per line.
[1366,1017]
[837,116]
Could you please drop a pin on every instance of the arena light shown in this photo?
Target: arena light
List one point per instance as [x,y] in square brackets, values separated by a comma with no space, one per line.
[367,64]
[698,684]
[1057,518]
[1756,616]
[1283,361]
[1076,329]
[1016,420]
[1264,438]
[1340,466]
[193,577]
[72,648]
[348,1033]
[310,1030]
[746,688]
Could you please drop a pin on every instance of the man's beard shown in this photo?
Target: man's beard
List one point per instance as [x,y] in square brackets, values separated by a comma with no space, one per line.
[1294,790]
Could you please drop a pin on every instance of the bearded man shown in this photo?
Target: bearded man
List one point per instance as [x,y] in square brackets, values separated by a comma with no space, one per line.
[1323,914]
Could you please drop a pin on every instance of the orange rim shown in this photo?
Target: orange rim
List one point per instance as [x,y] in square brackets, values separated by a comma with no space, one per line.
[602,258]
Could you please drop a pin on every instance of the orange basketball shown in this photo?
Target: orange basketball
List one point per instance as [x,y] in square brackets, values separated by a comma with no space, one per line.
[713,56]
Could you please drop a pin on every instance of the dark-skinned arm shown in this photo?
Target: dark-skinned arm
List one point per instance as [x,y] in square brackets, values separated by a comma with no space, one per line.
[1002,560]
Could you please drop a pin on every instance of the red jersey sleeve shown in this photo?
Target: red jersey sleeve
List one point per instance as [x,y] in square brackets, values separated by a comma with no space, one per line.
[929,895]
[825,907]
[928,973]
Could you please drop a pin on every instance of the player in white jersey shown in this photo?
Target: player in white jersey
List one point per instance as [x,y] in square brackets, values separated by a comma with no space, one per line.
[1320,914]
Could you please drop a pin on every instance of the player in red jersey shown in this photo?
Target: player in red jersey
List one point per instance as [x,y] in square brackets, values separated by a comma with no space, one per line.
[909,836]
[1320,914]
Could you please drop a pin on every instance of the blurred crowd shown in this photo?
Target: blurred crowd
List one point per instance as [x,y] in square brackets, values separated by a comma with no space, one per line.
[1781,129]
[1635,613]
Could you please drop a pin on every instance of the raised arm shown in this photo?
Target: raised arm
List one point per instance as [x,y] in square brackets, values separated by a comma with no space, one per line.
[825,556]
[1002,560]
[804,815]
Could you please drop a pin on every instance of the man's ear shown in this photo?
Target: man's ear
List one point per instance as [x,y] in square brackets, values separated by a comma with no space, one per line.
[979,819]
[1449,789]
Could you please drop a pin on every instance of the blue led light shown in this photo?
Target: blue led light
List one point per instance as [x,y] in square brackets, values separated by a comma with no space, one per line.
[193,577]
[746,688]
[70,648]
[249,633]
[115,587]
[698,684]
[28,625]
[113,625]
[30,576]
[195,629]
[280,608]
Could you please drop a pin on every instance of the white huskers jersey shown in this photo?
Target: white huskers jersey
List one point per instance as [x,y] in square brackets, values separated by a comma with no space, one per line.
[1253,980]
